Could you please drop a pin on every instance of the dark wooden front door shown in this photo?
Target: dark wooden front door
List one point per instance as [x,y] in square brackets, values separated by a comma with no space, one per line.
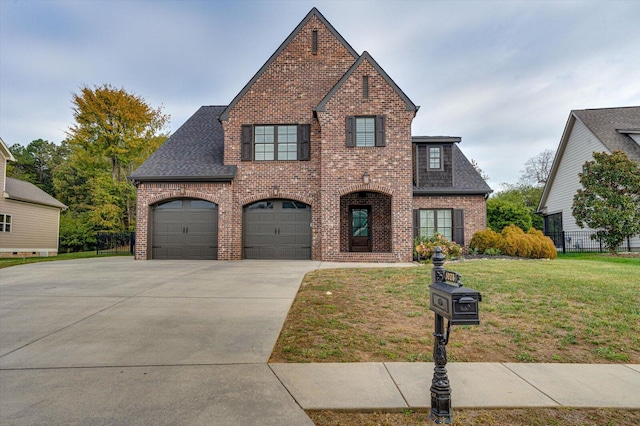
[360,228]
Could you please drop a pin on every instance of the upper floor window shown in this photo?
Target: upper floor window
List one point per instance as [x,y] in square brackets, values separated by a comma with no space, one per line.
[366,131]
[5,222]
[275,142]
[435,157]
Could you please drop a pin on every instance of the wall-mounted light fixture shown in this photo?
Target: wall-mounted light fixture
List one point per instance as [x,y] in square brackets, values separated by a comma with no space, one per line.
[275,190]
[365,178]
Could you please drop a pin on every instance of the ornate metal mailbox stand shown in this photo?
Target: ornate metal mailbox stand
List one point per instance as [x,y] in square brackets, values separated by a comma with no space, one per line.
[448,299]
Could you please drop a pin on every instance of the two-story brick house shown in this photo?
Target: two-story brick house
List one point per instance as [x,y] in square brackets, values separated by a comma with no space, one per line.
[313,159]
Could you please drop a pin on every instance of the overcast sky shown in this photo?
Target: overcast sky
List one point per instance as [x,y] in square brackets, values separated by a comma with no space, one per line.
[503,75]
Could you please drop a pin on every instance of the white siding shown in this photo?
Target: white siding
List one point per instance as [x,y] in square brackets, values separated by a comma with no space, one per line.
[579,149]
[580,146]
[33,227]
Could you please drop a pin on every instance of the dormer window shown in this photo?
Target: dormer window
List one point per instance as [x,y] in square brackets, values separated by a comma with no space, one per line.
[435,158]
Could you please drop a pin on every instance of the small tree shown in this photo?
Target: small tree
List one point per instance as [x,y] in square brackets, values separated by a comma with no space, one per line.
[502,212]
[610,199]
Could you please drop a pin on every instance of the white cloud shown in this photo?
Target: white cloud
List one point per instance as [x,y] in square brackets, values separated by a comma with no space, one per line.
[503,75]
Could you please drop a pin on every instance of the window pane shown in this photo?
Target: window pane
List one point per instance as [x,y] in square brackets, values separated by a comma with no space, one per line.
[261,205]
[7,228]
[360,223]
[202,204]
[365,131]
[7,218]
[445,224]
[427,228]
[177,204]
[435,158]
[264,142]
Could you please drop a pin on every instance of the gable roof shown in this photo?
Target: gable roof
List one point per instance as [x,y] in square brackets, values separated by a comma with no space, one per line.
[6,153]
[366,57]
[605,124]
[21,190]
[314,12]
[466,179]
[195,152]
[611,126]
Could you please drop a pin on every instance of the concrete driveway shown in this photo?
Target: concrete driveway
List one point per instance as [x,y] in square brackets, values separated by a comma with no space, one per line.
[118,341]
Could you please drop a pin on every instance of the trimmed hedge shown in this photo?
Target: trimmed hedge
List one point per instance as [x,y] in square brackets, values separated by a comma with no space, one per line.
[513,241]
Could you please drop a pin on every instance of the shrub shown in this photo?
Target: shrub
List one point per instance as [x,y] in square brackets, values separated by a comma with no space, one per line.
[502,213]
[425,246]
[483,240]
[513,241]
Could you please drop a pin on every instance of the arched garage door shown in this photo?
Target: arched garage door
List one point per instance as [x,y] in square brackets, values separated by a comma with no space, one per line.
[277,229]
[185,229]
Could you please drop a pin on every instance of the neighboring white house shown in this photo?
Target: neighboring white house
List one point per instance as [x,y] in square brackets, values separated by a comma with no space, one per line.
[587,131]
[29,217]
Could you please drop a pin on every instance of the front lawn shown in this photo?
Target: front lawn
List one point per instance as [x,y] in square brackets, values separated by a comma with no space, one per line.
[583,309]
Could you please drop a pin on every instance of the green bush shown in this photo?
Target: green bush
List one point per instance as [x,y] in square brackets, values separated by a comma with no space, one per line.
[425,246]
[502,213]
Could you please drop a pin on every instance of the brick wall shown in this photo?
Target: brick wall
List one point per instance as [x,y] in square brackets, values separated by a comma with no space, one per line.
[389,167]
[474,206]
[286,93]
[150,194]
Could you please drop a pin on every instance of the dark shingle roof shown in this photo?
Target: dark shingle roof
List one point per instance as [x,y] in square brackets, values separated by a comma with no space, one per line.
[195,152]
[605,123]
[466,179]
[21,190]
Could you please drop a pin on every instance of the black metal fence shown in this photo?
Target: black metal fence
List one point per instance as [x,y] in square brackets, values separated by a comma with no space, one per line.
[115,243]
[581,241]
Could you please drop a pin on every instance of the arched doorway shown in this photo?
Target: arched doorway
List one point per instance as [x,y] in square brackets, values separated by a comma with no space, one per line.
[365,222]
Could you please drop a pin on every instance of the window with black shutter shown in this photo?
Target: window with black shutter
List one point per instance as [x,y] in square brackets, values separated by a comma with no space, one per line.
[365,131]
[283,142]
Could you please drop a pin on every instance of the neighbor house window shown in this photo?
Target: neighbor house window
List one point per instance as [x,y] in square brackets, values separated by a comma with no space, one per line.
[435,157]
[366,131]
[436,221]
[5,222]
[275,142]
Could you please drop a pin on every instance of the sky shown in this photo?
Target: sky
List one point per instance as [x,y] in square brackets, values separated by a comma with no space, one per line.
[502,75]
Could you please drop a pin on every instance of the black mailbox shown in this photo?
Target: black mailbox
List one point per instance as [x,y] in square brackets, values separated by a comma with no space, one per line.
[457,303]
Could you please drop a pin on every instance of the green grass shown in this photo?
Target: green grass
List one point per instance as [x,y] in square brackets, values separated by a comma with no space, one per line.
[577,308]
[7,262]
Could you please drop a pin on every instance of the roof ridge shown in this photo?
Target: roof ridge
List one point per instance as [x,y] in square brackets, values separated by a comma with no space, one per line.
[366,56]
[313,12]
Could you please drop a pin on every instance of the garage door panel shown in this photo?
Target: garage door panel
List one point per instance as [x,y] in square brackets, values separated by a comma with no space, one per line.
[185,229]
[281,231]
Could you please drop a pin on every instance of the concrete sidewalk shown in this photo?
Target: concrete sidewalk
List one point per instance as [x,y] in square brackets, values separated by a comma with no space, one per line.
[397,386]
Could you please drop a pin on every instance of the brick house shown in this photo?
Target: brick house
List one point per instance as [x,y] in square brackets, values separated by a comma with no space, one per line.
[313,159]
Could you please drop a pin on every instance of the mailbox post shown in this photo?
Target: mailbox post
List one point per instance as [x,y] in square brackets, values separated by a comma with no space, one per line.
[448,299]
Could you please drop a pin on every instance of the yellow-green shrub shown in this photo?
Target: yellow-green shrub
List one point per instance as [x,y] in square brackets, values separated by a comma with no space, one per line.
[483,240]
[544,248]
[513,241]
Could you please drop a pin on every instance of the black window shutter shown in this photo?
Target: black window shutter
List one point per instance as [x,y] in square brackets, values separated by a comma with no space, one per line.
[351,131]
[458,226]
[416,223]
[304,141]
[380,131]
[246,142]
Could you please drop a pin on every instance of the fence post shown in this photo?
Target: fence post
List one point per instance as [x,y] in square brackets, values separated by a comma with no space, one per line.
[564,249]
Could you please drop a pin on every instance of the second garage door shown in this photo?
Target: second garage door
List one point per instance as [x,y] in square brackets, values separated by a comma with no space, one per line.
[277,229]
